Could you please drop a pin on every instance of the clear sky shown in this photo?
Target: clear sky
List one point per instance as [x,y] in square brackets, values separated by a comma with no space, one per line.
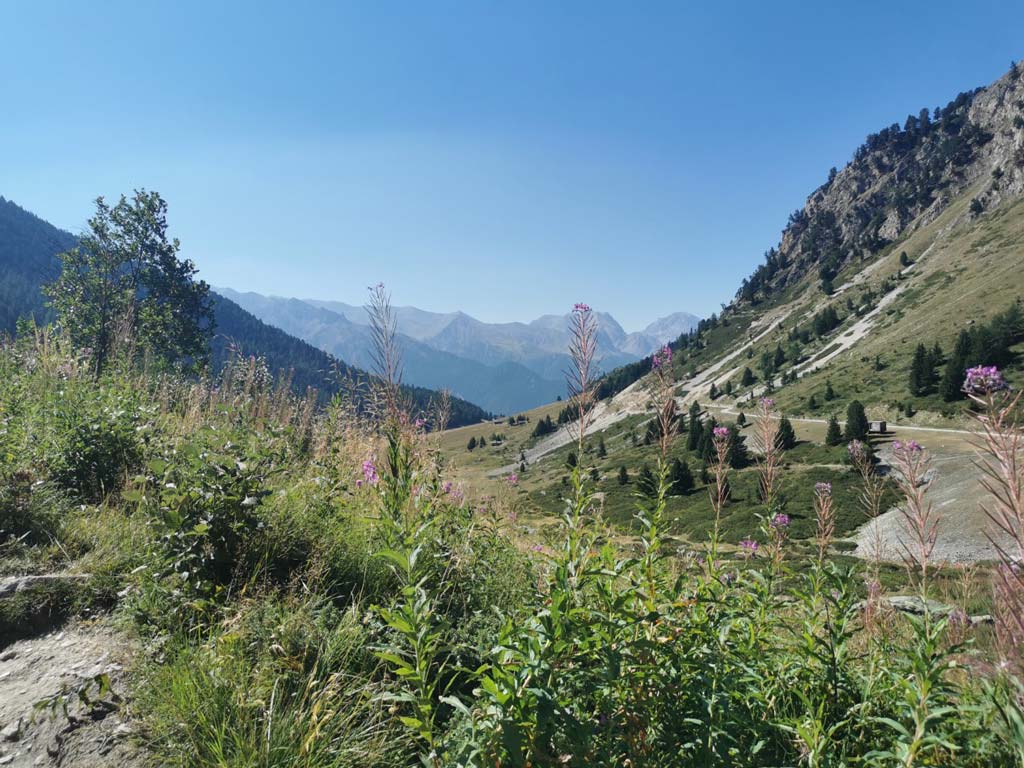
[506,159]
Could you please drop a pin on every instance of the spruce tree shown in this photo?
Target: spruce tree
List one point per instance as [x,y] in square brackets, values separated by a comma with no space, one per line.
[952,384]
[830,394]
[920,375]
[785,439]
[645,482]
[833,435]
[681,478]
[856,422]
[601,450]
[623,475]
[747,378]
[738,456]
[471,445]
[694,434]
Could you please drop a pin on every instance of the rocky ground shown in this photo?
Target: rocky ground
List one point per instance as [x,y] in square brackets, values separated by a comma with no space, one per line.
[63,700]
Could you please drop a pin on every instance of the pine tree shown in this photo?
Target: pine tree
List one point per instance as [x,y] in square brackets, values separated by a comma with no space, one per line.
[713,392]
[623,475]
[830,394]
[645,482]
[952,384]
[747,378]
[833,435]
[694,434]
[785,439]
[779,358]
[812,403]
[920,375]
[471,445]
[741,419]
[681,478]
[601,450]
[738,455]
[856,422]
[571,460]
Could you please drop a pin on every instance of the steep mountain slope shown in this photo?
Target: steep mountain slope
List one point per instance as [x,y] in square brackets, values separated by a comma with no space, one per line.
[914,240]
[28,259]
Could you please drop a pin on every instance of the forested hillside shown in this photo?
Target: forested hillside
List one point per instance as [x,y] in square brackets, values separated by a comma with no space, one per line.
[28,259]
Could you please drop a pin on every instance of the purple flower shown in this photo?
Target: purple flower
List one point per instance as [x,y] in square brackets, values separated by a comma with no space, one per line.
[537,548]
[749,547]
[369,472]
[512,479]
[662,358]
[720,433]
[823,489]
[858,450]
[780,521]
[909,447]
[983,380]
[767,403]
[580,307]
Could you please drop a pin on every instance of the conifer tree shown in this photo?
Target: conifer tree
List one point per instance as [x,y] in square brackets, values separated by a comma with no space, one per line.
[681,478]
[694,434]
[602,451]
[747,378]
[471,445]
[623,475]
[645,482]
[833,435]
[920,375]
[785,439]
[856,422]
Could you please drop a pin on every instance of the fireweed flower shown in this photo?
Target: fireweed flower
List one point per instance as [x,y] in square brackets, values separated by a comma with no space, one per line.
[370,472]
[767,403]
[512,479]
[858,451]
[983,380]
[581,307]
[780,521]
[662,358]
[749,547]
[823,489]
[720,433]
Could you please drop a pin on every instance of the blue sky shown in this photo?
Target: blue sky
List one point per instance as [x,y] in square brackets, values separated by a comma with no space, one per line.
[507,159]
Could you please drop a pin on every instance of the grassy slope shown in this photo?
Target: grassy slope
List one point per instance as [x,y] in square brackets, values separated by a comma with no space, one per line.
[964,271]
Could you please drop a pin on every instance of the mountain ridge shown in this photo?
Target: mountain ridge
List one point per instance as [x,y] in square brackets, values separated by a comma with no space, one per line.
[506,367]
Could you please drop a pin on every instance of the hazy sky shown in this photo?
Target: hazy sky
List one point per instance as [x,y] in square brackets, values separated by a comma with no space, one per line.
[507,159]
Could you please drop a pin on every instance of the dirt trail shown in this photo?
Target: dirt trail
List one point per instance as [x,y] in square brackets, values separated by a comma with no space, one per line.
[54,667]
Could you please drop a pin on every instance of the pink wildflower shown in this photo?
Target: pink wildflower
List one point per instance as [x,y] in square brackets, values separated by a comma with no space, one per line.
[662,358]
[749,547]
[720,433]
[823,489]
[983,380]
[512,479]
[369,473]
[767,403]
[581,307]
[780,521]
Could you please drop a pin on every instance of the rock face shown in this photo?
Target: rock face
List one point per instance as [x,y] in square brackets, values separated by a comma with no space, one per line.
[901,178]
[39,676]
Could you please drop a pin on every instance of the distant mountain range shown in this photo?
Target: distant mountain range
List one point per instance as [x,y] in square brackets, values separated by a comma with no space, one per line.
[28,259]
[504,367]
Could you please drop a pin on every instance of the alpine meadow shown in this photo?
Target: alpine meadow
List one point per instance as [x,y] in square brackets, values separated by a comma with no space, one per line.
[240,528]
